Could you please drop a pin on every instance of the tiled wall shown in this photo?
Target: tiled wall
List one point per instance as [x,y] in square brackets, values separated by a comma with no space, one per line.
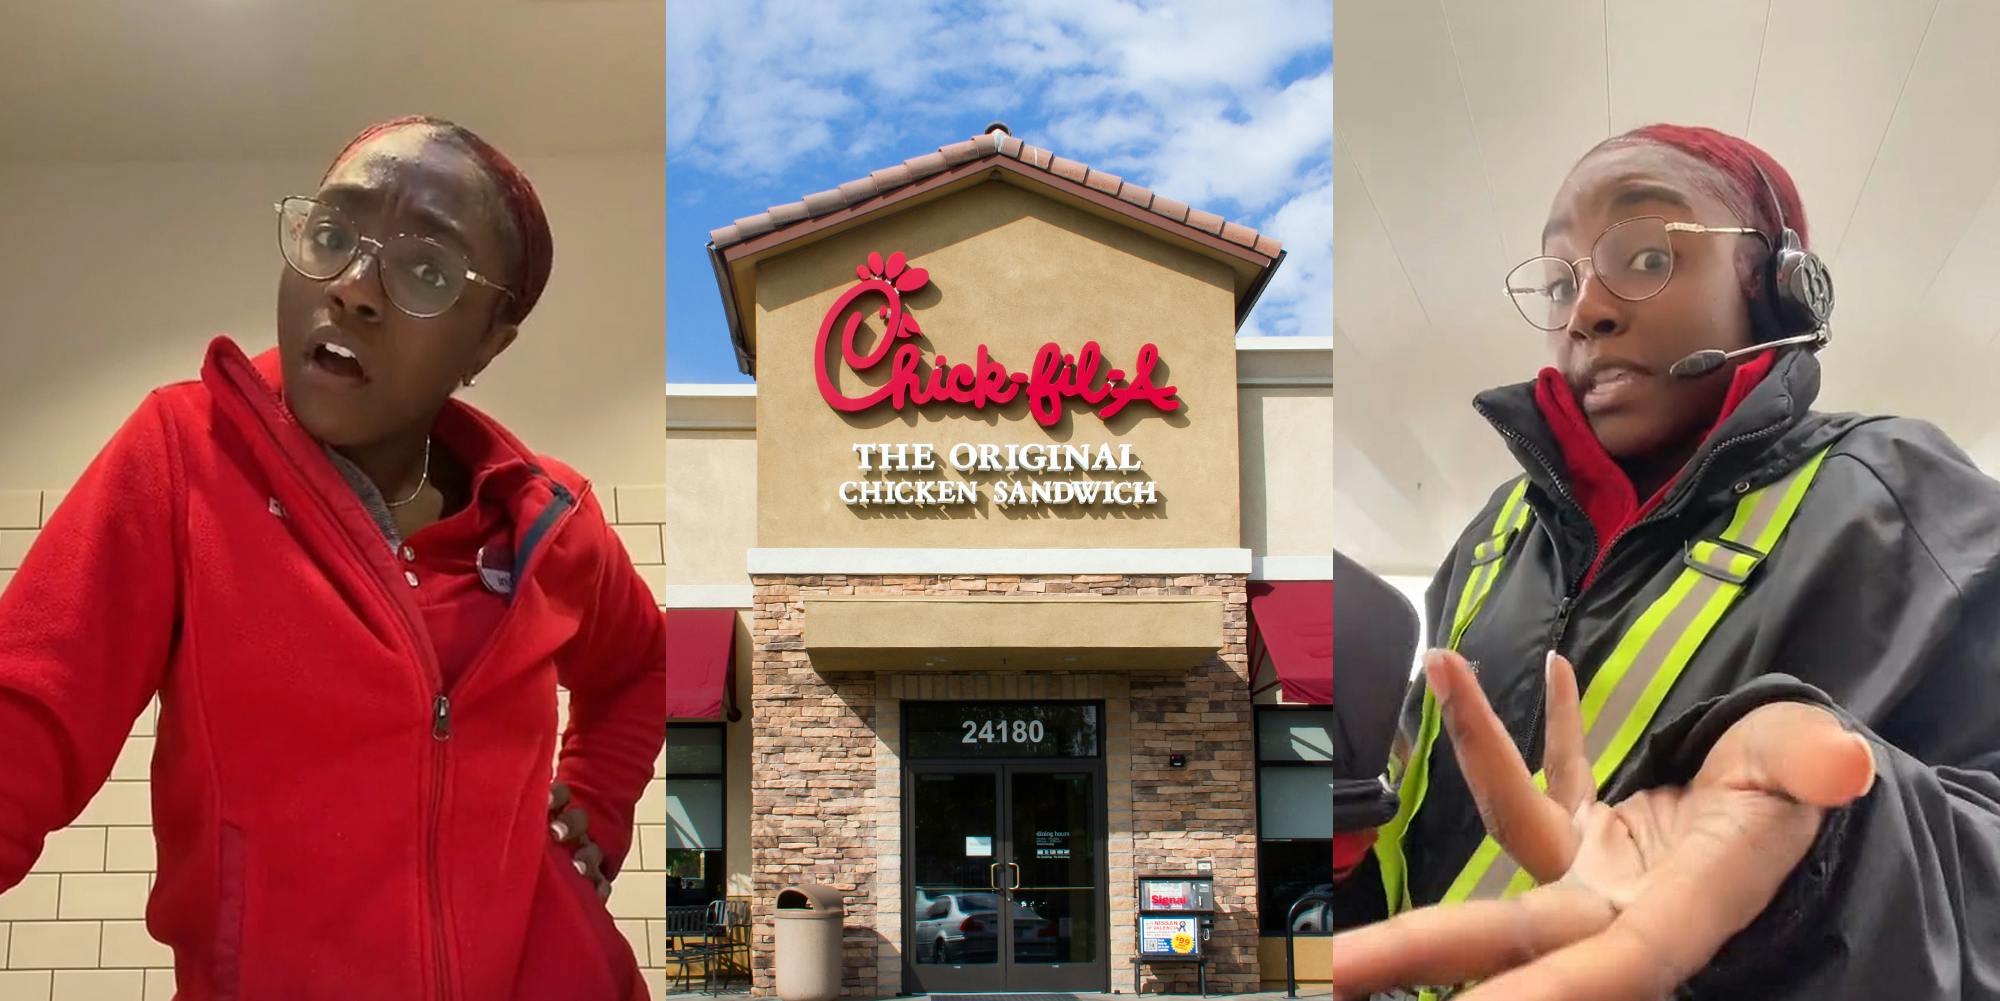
[74,929]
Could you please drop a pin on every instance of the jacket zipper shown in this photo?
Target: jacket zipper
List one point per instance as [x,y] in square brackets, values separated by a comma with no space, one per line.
[441,741]
[1570,591]
[440,735]
[440,726]
[441,747]
[1567,605]
[440,702]
[1693,478]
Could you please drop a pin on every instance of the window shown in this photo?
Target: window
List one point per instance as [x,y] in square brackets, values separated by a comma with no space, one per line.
[696,807]
[1294,814]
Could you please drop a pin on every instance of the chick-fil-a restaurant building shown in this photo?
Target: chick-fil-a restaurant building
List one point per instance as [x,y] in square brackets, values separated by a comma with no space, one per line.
[1001,603]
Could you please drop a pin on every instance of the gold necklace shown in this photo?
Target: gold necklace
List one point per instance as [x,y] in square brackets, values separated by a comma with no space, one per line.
[421,483]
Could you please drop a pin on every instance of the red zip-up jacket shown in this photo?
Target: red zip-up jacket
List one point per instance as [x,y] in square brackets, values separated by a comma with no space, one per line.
[330,824]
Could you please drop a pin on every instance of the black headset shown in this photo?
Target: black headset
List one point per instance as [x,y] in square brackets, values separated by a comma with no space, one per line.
[1801,286]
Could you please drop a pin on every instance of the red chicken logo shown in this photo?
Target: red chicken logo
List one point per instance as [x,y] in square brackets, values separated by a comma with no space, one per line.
[1054,378]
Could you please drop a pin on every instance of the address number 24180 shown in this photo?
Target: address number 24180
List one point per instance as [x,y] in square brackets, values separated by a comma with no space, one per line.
[1020,731]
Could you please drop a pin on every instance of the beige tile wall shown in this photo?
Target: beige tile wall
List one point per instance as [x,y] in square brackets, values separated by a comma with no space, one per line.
[74,929]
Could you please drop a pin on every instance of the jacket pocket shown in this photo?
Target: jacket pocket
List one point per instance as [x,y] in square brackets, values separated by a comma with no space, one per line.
[573,948]
[227,971]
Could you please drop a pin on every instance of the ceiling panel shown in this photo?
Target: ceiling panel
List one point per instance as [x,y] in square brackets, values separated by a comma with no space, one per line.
[1533,75]
[1380,307]
[1932,174]
[1417,154]
[1832,72]
[1687,61]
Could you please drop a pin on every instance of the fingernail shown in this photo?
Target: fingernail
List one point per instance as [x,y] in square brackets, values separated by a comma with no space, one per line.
[581,869]
[560,830]
[1874,772]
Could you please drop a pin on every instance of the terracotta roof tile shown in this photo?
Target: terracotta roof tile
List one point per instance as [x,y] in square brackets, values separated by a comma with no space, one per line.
[1068,170]
[754,225]
[891,177]
[959,152]
[1207,222]
[994,143]
[788,213]
[924,166]
[822,202]
[859,189]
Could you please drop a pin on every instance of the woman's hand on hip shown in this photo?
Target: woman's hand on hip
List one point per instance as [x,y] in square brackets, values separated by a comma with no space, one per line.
[1636,897]
[569,825]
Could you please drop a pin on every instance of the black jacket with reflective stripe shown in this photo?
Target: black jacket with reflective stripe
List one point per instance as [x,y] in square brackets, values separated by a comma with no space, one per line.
[1882,601]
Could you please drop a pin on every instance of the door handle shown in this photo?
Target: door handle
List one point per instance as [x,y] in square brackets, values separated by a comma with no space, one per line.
[992,877]
[1016,866]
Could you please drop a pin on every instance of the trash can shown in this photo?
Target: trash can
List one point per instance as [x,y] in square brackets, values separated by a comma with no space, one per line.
[808,946]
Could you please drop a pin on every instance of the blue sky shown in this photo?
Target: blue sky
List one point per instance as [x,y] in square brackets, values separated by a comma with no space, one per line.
[1224,104]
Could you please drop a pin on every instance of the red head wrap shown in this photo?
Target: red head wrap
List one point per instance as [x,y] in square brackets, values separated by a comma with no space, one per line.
[523,205]
[1738,162]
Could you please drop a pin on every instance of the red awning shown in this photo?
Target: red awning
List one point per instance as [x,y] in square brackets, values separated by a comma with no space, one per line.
[701,655]
[1291,623]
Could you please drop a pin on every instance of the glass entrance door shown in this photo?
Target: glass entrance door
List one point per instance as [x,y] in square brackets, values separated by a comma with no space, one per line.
[953,912]
[1055,853]
[1006,868]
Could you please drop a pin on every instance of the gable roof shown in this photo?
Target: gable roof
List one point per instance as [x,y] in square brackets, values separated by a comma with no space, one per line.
[1254,255]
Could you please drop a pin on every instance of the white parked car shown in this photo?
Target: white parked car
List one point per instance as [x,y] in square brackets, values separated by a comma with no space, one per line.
[965,927]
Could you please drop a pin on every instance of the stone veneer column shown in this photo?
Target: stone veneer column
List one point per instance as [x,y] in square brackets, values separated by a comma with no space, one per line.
[826,793]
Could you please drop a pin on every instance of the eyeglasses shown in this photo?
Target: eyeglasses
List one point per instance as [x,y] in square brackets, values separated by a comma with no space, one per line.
[421,276]
[1633,260]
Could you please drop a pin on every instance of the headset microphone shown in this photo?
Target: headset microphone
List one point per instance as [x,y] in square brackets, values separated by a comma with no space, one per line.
[1800,290]
[1701,363]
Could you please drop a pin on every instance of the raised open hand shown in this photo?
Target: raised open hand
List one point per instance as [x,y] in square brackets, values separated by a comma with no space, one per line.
[1634,897]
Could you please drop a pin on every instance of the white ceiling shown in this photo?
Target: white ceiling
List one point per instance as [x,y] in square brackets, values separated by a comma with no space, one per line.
[1454,120]
[274,79]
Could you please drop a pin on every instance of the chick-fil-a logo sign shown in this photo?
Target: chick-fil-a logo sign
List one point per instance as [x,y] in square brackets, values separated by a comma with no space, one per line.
[1053,379]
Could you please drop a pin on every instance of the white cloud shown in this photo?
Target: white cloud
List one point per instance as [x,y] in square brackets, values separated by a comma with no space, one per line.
[1255,162]
[1187,97]
[755,87]
[1299,300]
[1110,132]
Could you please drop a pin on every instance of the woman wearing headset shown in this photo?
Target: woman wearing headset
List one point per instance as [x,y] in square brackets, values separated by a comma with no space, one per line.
[1771,771]
[354,597]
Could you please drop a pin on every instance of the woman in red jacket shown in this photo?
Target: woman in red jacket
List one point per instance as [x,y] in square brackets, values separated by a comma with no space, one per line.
[354,597]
